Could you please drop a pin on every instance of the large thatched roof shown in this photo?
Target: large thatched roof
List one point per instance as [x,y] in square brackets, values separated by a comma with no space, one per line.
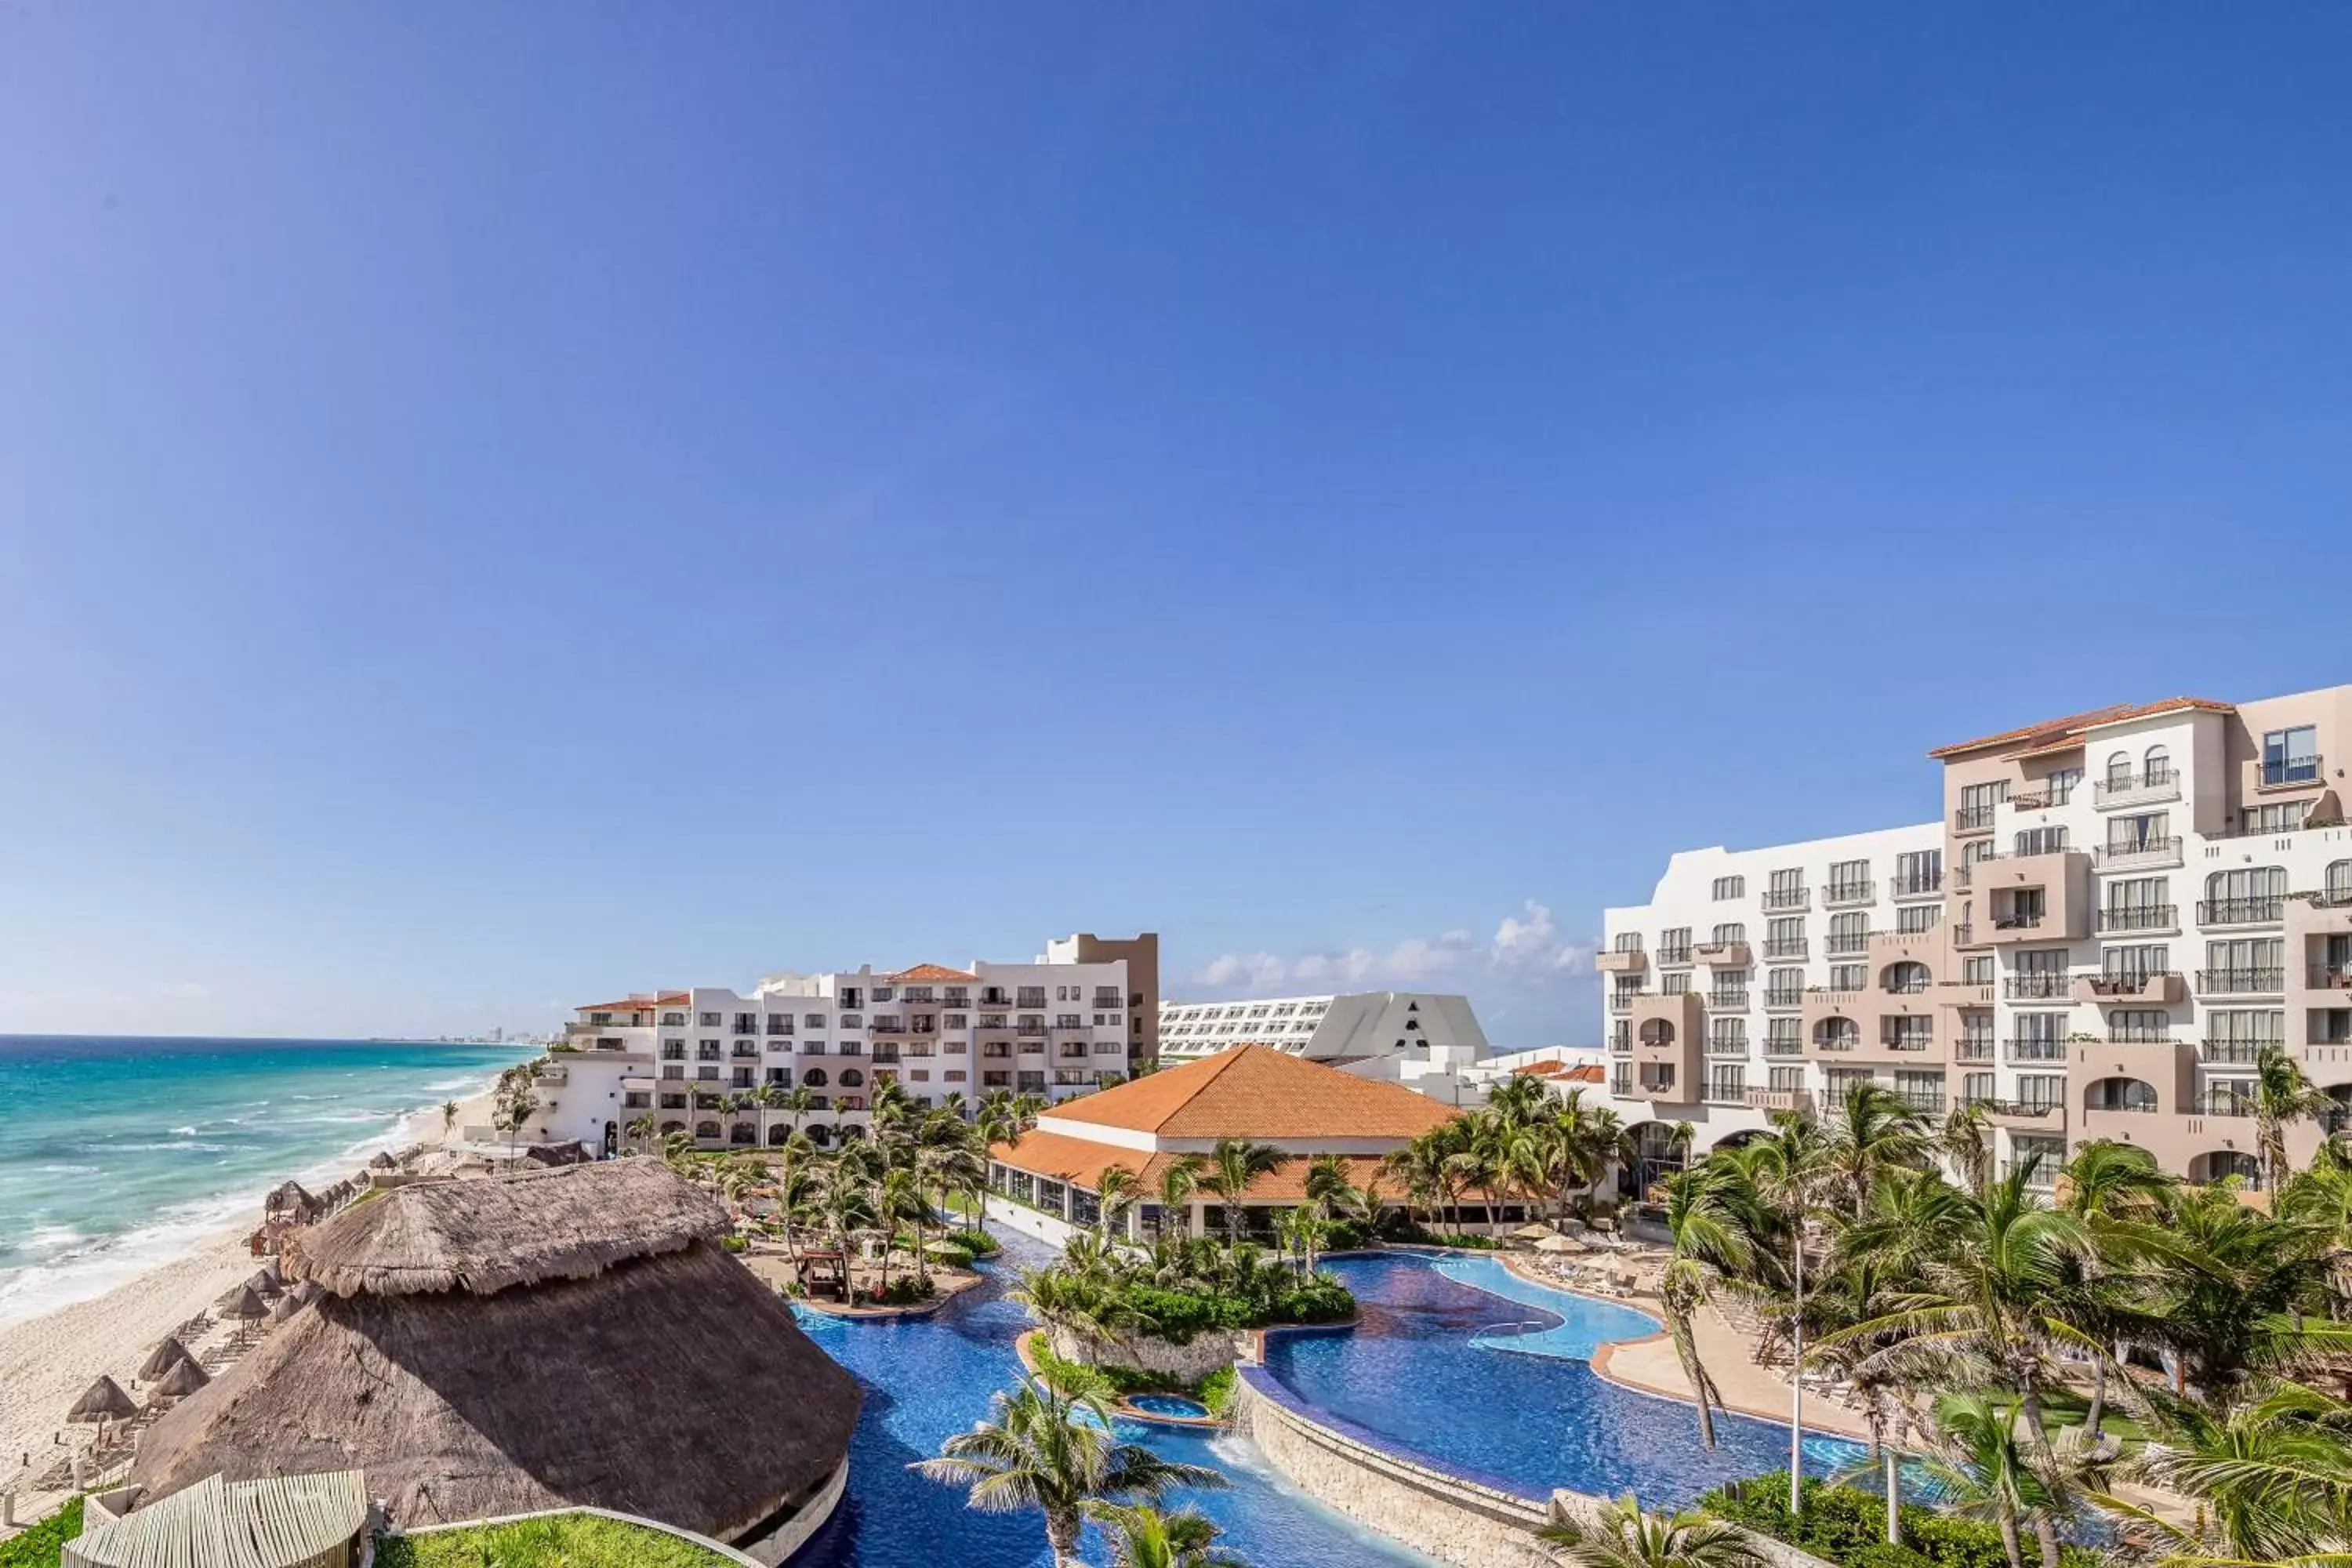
[587,1343]
[563,1223]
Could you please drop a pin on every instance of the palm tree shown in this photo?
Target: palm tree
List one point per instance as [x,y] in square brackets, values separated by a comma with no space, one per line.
[1178,1182]
[1872,1131]
[1055,1452]
[2281,1097]
[1965,1141]
[1115,1191]
[2271,1477]
[1142,1536]
[641,1127]
[1234,1164]
[1620,1535]
[448,1116]
[1980,1467]
[1706,1240]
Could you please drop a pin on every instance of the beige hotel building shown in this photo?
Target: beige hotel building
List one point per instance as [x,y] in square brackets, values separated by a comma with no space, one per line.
[2113,916]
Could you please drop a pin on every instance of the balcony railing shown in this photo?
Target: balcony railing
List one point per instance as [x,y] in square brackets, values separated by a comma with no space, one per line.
[1917,887]
[1973,1050]
[2289,772]
[2021,919]
[2224,1105]
[1776,1046]
[2156,782]
[2234,1053]
[1784,996]
[2240,911]
[1782,899]
[2036,1050]
[2138,853]
[1973,819]
[2126,982]
[1854,946]
[2139,1037]
[2140,917]
[1838,894]
[2139,1107]
[1623,1001]
[1787,947]
[1676,955]
[2331,977]
[2037,987]
[1925,1104]
[2240,981]
[1727,1001]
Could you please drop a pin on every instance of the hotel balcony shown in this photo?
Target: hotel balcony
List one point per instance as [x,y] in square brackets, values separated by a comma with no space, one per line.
[2140,855]
[1787,900]
[2021,1117]
[1784,996]
[2240,911]
[1727,1001]
[1623,1001]
[1905,889]
[2154,788]
[2148,920]
[1849,895]
[2233,1053]
[1678,957]
[1852,1027]
[2155,988]
[1800,1100]
[1668,1061]
[1973,819]
[2241,983]
[2042,898]
[1621,961]
[2057,987]
[2036,1053]
[1723,955]
[1786,948]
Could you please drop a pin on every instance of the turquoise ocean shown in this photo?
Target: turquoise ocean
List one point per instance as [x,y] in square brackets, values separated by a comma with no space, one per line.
[119,1154]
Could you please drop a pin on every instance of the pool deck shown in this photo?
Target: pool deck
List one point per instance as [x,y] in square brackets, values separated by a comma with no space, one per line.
[1649,1365]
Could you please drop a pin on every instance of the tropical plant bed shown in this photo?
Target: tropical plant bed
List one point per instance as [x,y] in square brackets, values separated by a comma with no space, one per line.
[1847,1526]
[554,1541]
[43,1544]
[1214,1391]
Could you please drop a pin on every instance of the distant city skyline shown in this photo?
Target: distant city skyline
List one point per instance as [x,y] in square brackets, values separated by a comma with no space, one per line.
[496,508]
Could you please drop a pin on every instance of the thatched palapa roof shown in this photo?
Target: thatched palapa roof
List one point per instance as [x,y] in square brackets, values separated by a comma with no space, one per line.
[243,1302]
[102,1401]
[165,1357]
[184,1379]
[544,1340]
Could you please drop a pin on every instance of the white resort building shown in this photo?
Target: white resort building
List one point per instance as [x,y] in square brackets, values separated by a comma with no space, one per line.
[1425,1040]
[2113,916]
[1083,1016]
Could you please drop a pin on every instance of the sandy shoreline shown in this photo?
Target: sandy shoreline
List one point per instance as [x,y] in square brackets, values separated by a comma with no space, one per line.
[46,1361]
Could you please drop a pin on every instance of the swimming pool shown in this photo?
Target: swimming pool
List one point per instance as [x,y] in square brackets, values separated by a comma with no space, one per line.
[1174,1404]
[927,1377]
[1458,1361]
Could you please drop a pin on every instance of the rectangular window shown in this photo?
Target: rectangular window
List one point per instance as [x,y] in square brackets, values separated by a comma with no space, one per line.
[1977,804]
[1919,871]
[2040,841]
[1784,937]
[1849,934]
[2291,756]
[2284,817]
[1674,945]
[1785,889]
[1977,1088]
[1673,984]
[1785,1081]
[1977,971]
[1922,1092]
[1730,888]
[1726,1081]
[1626,942]
[2040,1090]
[1849,880]
[1727,932]
[1784,988]
[2138,833]
[1917,918]
[1849,976]
[2138,1026]
[2059,784]
[1727,1036]
[1784,1037]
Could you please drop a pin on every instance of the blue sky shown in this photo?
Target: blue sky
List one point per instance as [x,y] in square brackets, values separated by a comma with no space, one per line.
[500,505]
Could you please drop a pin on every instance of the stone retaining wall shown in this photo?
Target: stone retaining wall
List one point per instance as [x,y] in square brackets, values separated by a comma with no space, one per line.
[1458,1521]
[1187,1363]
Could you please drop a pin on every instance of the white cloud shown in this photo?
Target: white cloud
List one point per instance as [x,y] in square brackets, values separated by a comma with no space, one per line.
[1533,946]
[1526,958]
[1251,972]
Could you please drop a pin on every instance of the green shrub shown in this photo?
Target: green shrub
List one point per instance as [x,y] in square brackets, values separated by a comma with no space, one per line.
[1319,1300]
[1343,1236]
[734,1244]
[559,1540]
[43,1544]
[1847,1526]
[904,1292]
[948,1257]
[979,1243]
[1217,1391]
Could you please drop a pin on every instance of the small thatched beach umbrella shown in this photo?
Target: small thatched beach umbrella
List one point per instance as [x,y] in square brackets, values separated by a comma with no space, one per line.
[286,1307]
[289,1200]
[104,1402]
[164,1358]
[264,1284]
[245,1306]
[182,1379]
[384,1162]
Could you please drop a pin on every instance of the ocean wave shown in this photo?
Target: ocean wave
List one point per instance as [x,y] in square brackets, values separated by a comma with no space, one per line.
[70,1170]
[183,1145]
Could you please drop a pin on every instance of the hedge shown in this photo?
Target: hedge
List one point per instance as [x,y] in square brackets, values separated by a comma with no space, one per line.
[43,1544]
[1847,1526]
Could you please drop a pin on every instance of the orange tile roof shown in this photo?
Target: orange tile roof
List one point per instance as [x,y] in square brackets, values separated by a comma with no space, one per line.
[1081,1162]
[2041,736]
[637,1004]
[1258,1092]
[1585,1072]
[923,972]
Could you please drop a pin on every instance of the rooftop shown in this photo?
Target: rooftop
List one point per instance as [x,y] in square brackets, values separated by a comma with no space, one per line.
[1081,1162]
[1257,1092]
[923,972]
[2050,733]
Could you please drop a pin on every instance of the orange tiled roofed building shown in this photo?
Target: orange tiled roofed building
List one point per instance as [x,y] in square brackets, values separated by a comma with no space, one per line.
[1049,1181]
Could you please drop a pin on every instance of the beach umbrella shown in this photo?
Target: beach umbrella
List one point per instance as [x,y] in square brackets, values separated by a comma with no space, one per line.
[1559,1244]
[1536,1232]
[104,1402]
[264,1285]
[384,1162]
[182,1381]
[165,1357]
[286,1307]
[245,1306]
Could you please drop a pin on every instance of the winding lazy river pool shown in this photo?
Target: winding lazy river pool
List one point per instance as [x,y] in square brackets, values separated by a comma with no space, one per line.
[1455,1360]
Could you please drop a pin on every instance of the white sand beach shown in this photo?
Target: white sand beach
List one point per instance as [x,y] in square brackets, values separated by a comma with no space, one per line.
[46,1361]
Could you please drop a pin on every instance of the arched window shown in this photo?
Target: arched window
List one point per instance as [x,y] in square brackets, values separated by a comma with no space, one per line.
[2119,771]
[815,1078]
[2339,882]
[852,1079]
[1657,1032]
[670,1127]
[821,1134]
[742,1133]
[1906,979]
[1837,1034]
[706,1129]
[780,1134]
[2252,893]
[1726,934]
[2156,768]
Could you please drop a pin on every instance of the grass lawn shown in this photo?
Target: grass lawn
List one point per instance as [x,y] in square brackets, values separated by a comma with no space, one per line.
[558,1540]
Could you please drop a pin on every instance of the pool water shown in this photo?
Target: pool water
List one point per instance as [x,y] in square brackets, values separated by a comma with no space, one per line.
[1169,1405]
[1435,1367]
[927,1377]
